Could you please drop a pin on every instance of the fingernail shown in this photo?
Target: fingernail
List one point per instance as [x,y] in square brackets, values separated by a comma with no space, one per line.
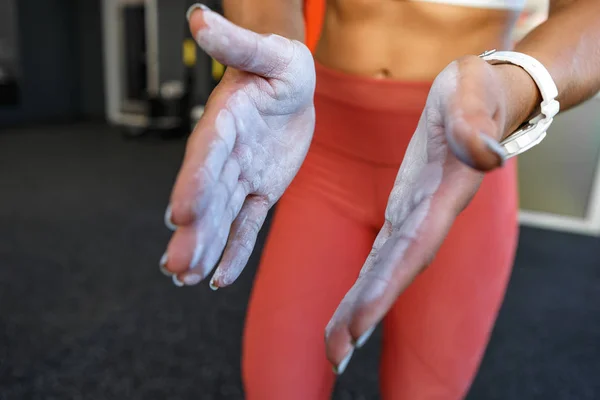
[212,285]
[192,279]
[193,8]
[177,282]
[344,363]
[168,223]
[363,338]
[162,265]
[494,146]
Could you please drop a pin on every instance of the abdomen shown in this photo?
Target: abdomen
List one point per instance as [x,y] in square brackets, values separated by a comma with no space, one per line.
[407,40]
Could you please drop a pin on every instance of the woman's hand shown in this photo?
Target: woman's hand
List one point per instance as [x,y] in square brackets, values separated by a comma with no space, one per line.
[244,152]
[464,117]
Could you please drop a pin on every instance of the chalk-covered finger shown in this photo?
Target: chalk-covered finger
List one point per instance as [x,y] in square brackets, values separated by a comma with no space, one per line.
[265,55]
[241,242]
[215,250]
[207,151]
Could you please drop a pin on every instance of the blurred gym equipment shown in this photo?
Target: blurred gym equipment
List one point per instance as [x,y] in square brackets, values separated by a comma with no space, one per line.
[9,87]
[146,90]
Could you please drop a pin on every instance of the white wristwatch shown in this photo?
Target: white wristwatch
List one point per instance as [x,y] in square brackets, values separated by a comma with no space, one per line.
[532,132]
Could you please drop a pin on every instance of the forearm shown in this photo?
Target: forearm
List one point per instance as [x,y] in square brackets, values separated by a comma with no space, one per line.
[283,17]
[568,45]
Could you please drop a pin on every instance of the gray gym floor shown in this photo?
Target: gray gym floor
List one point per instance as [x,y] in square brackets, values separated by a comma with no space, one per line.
[85,314]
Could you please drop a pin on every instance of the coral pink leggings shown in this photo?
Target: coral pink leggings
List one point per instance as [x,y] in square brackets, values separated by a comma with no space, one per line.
[436,333]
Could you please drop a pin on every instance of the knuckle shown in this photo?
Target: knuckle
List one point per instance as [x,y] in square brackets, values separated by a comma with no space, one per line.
[388,226]
[253,227]
[180,212]
[206,177]
[376,276]
[249,56]
[246,184]
[246,247]
[466,59]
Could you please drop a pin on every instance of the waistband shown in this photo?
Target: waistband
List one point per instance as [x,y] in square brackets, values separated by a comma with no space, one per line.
[371,93]
[367,118]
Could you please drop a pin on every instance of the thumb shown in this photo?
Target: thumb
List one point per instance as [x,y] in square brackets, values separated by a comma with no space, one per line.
[473,115]
[239,48]
[472,137]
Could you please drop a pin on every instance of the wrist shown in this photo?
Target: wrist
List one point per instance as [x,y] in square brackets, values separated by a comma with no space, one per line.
[521,95]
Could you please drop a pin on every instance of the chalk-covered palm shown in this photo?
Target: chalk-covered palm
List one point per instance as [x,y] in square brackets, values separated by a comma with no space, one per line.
[244,152]
[463,118]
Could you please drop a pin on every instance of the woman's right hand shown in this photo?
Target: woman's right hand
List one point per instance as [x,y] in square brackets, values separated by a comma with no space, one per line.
[244,152]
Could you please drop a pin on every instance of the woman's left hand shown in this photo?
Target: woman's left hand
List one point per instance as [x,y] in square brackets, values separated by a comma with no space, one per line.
[456,139]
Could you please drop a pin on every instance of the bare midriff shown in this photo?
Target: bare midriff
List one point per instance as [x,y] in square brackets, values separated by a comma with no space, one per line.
[406,40]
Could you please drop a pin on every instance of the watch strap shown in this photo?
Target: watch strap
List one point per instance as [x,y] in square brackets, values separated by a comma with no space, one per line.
[533,132]
[542,78]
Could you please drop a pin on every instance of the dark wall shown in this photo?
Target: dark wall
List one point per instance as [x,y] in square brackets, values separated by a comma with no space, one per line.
[90,55]
[46,61]
[60,51]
